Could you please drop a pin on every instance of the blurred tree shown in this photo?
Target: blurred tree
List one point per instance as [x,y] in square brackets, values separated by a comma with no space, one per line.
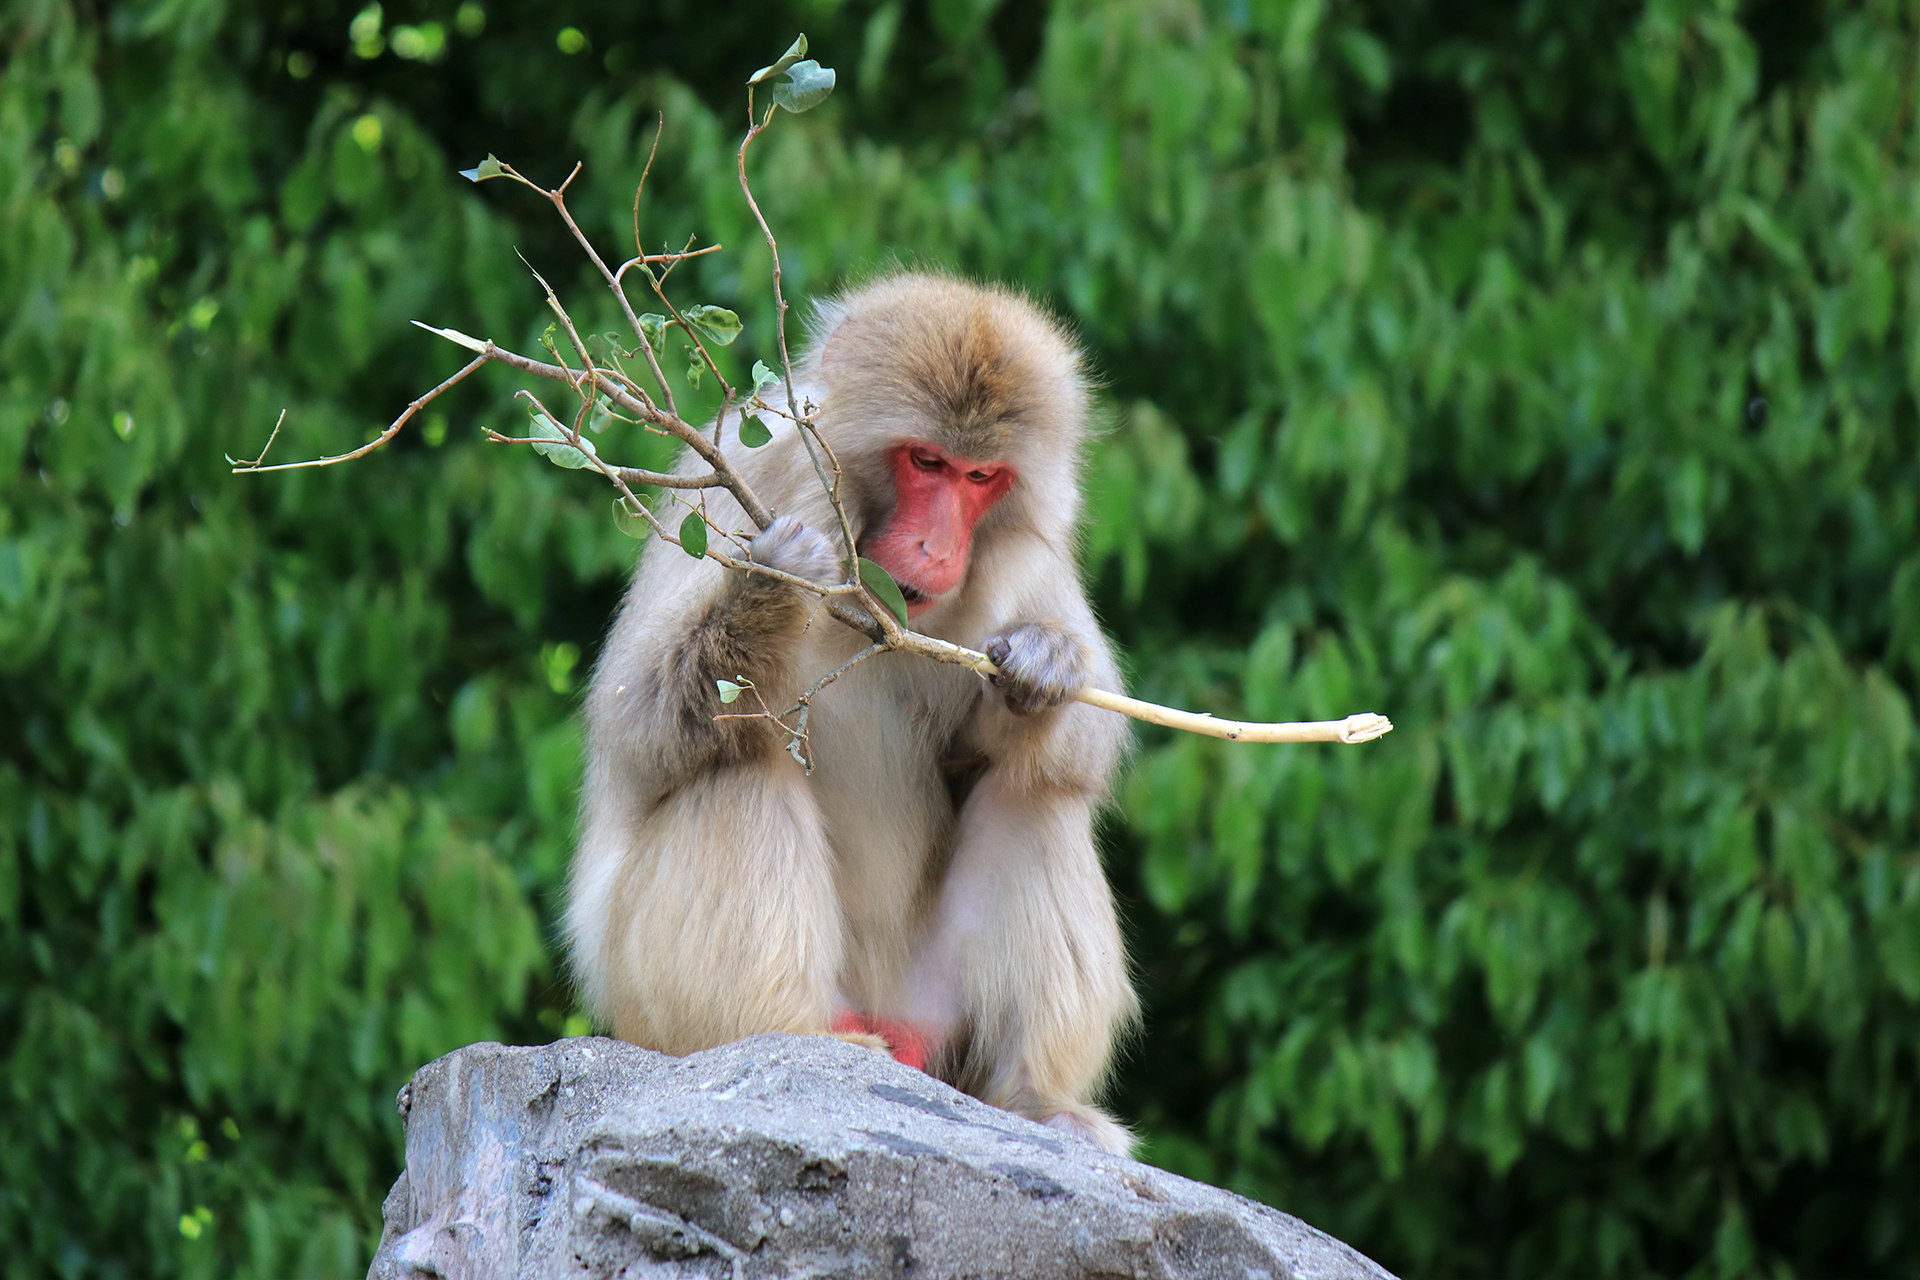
[1541,374]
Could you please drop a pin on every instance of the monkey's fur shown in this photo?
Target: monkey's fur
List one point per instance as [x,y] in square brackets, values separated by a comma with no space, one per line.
[938,868]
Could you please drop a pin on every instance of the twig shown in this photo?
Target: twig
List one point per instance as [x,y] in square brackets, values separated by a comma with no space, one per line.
[631,475]
[659,127]
[799,740]
[874,621]
[728,478]
[669,258]
[634,475]
[754,129]
[1363,726]
[755,126]
[558,200]
[241,465]
[837,672]
[659,291]
[370,445]
[809,436]
[673,259]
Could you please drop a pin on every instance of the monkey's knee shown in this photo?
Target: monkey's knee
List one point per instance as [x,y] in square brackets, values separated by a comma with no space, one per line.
[714,920]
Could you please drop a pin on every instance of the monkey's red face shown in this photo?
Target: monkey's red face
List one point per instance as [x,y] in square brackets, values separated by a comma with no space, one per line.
[939,497]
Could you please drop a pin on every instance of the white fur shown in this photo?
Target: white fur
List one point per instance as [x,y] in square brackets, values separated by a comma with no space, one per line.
[710,903]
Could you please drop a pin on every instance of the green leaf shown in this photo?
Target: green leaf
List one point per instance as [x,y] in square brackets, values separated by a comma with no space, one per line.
[1900,950]
[1367,57]
[806,87]
[884,589]
[653,327]
[627,518]
[729,691]
[696,367]
[561,453]
[488,168]
[795,51]
[717,323]
[755,430]
[693,535]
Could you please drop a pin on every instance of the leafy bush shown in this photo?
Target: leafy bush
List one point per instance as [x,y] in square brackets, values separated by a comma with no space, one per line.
[1543,376]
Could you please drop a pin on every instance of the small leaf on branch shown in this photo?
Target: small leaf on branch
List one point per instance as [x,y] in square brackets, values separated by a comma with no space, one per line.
[560,451]
[884,588]
[755,429]
[795,51]
[654,328]
[717,323]
[546,340]
[627,518]
[693,535]
[806,87]
[454,335]
[695,367]
[728,690]
[488,168]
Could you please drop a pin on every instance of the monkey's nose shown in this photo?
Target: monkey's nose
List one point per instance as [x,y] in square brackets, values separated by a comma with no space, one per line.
[939,574]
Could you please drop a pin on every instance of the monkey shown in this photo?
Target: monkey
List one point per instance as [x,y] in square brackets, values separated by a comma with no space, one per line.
[934,886]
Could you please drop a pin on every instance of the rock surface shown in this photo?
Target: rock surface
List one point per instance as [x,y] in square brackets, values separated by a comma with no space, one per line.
[786,1156]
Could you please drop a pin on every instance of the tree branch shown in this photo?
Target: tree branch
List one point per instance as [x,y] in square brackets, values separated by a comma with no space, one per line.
[874,620]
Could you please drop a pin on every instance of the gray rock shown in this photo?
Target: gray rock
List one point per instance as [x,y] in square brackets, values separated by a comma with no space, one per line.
[786,1156]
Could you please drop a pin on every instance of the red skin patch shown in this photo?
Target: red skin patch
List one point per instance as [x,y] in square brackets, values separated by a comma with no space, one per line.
[909,1046]
[939,498]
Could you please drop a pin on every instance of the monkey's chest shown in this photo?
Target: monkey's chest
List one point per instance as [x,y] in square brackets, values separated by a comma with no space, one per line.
[892,767]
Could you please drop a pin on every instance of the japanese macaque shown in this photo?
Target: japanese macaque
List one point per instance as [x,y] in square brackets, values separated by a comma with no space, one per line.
[933,887]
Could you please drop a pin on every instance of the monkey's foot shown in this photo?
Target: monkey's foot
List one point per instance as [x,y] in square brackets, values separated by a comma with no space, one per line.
[866,1040]
[902,1041]
[1088,1123]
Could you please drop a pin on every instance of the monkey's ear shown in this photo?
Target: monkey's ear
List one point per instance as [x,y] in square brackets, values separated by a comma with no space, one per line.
[841,335]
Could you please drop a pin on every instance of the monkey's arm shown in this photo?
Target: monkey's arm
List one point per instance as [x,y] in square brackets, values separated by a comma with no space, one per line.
[1041,632]
[1030,730]
[1023,974]
[654,699]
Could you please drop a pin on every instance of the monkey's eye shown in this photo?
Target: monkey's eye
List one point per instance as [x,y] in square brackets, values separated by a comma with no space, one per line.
[926,463]
[980,477]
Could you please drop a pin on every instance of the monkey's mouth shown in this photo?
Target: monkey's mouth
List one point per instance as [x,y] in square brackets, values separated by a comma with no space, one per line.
[918,601]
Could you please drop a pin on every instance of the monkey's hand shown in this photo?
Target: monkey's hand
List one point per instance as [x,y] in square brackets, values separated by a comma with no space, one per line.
[1040,665]
[792,547]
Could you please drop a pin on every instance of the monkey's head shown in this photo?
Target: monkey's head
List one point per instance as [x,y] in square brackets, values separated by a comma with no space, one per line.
[957,412]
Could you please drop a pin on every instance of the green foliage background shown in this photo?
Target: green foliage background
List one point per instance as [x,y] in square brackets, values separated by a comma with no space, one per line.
[1542,374]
